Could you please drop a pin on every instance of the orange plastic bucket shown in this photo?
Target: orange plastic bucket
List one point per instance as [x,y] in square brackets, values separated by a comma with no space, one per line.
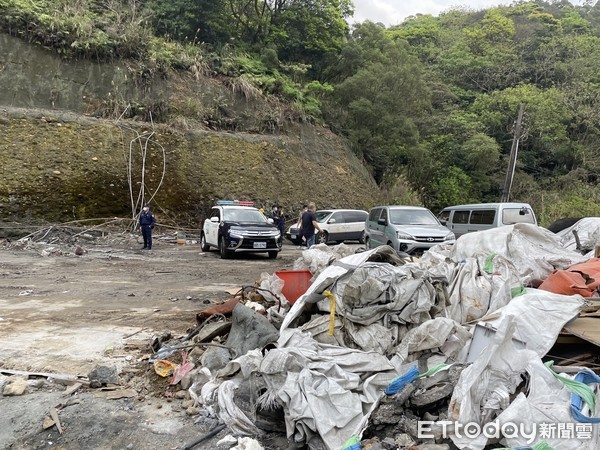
[296,282]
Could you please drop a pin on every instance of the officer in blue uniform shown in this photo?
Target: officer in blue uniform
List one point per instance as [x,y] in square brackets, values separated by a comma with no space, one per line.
[147,221]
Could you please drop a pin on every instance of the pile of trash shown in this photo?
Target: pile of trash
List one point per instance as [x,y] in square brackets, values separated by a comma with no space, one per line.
[384,351]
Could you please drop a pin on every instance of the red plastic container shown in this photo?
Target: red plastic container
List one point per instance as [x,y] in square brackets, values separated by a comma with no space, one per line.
[296,282]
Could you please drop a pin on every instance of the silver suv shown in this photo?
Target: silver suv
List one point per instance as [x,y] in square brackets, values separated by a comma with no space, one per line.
[409,229]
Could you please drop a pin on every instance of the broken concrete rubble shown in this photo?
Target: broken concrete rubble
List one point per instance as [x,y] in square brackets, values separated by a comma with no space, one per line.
[15,386]
[102,376]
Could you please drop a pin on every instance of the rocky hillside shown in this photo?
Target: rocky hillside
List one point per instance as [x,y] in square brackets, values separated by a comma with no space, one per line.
[73,135]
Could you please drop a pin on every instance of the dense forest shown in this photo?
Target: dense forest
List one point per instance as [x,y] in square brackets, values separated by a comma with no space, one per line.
[429,104]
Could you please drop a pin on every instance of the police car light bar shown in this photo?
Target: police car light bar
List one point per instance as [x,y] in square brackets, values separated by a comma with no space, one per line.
[234,202]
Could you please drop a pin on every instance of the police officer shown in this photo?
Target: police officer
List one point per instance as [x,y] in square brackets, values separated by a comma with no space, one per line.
[147,221]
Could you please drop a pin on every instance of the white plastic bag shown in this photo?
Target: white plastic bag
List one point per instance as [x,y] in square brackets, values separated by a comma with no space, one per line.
[533,250]
[272,284]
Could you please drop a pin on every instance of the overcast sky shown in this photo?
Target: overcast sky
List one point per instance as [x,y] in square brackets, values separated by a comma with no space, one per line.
[392,12]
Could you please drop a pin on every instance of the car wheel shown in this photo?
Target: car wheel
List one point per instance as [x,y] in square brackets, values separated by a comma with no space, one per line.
[361,238]
[322,238]
[203,245]
[223,252]
[273,255]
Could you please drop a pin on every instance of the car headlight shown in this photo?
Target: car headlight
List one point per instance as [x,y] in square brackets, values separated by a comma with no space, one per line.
[405,236]
[450,237]
[236,234]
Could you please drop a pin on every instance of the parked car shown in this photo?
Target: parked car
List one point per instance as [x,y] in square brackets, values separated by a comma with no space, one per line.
[338,225]
[462,219]
[409,229]
[234,229]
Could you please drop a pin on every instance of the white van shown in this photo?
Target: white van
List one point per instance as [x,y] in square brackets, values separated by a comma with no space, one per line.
[462,219]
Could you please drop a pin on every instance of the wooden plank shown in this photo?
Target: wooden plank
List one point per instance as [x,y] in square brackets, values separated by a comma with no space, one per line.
[120,393]
[575,360]
[54,415]
[587,328]
[72,389]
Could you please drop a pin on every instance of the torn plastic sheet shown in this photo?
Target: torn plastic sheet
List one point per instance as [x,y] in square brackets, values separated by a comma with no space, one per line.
[431,335]
[484,388]
[376,291]
[231,414]
[325,390]
[539,316]
[200,377]
[272,284]
[318,327]
[326,279]
[319,256]
[588,233]
[379,303]
[482,285]
[372,338]
[438,262]
[533,250]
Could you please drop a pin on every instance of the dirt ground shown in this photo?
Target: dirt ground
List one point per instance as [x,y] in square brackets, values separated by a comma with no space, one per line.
[66,314]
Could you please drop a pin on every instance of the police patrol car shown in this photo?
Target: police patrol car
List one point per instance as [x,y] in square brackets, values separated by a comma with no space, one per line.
[235,226]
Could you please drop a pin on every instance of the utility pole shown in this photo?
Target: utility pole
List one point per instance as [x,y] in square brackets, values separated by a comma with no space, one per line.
[510,173]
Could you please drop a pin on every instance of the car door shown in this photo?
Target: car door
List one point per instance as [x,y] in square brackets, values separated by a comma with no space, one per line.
[379,224]
[336,226]
[459,223]
[355,223]
[212,227]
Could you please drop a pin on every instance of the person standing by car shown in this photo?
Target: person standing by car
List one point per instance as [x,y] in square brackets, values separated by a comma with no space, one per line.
[281,221]
[147,221]
[299,222]
[274,214]
[299,225]
[309,225]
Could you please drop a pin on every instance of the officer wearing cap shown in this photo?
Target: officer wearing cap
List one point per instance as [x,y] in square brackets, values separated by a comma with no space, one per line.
[147,221]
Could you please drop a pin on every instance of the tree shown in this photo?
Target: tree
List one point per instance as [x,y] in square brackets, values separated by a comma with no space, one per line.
[545,144]
[192,20]
[379,101]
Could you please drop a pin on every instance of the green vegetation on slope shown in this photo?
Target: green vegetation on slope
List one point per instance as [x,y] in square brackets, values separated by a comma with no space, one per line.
[431,101]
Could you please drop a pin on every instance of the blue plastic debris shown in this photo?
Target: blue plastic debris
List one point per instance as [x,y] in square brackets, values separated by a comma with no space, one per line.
[398,383]
[588,377]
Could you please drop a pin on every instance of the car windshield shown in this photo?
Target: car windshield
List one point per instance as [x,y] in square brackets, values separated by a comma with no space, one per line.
[244,215]
[412,217]
[322,215]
